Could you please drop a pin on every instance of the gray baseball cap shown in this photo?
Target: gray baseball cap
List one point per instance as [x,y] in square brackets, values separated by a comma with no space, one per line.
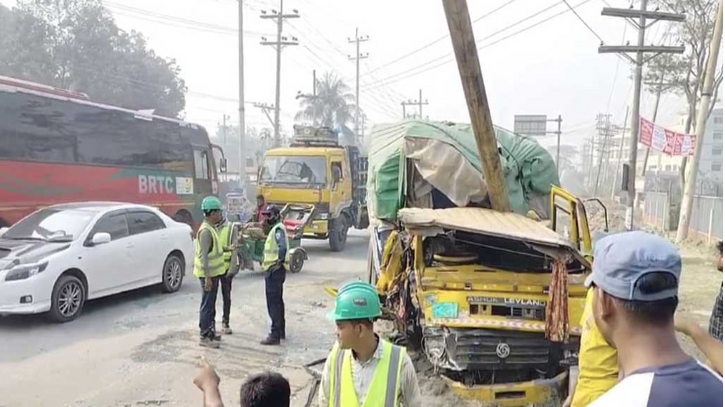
[620,260]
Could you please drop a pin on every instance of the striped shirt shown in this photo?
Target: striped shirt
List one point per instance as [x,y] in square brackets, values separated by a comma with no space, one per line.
[679,385]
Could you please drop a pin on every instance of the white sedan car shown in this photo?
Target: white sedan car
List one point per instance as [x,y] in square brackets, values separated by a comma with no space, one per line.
[58,257]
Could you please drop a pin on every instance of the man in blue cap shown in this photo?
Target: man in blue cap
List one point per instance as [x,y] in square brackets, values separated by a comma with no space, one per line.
[635,279]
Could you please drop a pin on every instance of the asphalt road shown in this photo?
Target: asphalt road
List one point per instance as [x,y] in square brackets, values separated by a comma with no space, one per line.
[141,348]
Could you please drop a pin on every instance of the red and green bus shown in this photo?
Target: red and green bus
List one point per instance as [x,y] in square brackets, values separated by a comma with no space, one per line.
[57,146]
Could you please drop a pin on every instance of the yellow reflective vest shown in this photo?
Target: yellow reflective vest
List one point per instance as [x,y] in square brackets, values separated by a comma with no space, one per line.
[271,248]
[384,388]
[225,239]
[216,258]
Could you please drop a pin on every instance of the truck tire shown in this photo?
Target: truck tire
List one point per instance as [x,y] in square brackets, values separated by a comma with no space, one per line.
[338,234]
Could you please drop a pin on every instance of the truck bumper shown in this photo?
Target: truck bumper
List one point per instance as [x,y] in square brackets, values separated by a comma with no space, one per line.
[316,228]
[535,392]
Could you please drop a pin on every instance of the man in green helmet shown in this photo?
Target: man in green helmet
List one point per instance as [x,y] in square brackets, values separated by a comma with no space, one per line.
[362,366]
[209,267]
[232,266]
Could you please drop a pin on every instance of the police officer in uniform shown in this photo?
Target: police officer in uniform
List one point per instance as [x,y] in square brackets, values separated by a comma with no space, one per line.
[209,268]
[275,263]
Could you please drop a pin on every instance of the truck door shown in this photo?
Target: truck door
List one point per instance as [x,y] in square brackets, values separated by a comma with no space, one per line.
[569,218]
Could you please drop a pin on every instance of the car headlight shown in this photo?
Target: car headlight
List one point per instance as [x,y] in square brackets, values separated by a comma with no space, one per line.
[23,271]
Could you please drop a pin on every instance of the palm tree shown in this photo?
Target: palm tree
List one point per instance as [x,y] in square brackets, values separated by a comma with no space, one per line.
[332,105]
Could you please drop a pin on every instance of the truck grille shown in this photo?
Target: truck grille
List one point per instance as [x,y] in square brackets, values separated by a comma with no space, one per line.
[490,349]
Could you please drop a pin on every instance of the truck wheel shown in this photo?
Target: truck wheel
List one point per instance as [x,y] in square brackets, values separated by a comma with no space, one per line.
[338,234]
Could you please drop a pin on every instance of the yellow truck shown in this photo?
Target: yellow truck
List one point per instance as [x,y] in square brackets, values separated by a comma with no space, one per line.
[492,299]
[315,169]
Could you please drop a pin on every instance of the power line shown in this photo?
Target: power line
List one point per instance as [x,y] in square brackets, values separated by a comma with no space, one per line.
[436,40]
[446,61]
[583,22]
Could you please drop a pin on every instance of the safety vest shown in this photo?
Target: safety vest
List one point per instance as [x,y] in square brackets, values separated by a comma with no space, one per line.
[216,258]
[225,238]
[384,388]
[271,248]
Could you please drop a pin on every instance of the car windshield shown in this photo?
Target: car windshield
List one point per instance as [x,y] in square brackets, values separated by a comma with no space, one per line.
[298,170]
[51,224]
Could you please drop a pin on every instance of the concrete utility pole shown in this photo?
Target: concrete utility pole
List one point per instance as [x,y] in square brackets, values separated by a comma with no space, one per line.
[683,228]
[464,45]
[604,130]
[654,121]
[242,124]
[358,56]
[265,109]
[420,102]
[642,15]
[558,140]
[619,156]
[278,44]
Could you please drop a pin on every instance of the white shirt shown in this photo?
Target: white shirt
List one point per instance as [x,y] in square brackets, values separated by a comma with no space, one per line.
[362,376]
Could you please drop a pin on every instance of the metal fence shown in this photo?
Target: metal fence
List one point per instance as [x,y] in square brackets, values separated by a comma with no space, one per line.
[707,215]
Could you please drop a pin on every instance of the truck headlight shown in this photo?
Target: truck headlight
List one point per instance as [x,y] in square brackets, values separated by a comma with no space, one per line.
[23,271]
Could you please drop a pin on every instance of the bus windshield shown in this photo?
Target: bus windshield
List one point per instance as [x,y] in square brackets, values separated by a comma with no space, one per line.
[296,170]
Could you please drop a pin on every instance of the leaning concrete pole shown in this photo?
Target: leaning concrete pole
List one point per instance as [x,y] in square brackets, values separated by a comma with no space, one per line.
[691,180]
[464,45]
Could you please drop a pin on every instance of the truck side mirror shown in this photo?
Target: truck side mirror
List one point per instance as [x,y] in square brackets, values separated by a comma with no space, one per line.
[222,164]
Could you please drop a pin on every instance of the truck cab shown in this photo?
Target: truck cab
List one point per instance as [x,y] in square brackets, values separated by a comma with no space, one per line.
[317,170]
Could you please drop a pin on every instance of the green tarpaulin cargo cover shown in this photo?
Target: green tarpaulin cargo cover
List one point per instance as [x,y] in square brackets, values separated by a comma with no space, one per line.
[411,159]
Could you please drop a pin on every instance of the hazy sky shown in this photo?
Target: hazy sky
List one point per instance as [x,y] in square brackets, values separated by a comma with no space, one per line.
[552,68]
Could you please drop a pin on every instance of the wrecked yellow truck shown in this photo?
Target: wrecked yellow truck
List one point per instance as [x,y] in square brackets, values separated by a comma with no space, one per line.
[492,299]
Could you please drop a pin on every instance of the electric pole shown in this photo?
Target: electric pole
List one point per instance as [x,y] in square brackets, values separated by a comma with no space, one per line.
[278,45]
[638,18]
[469,69]
[654,120]
[242,124]
[420,102]
[688,196]
[619,156]
[358,56]
[558,121]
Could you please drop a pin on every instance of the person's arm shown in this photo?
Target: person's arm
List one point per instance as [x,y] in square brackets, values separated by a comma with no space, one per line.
[324,390]
[573,380]
[205,242]
[409,390]
[711,347]
[208,382]
[282,243]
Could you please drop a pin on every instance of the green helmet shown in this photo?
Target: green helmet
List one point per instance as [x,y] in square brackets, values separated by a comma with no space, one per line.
[356,300]
[211,203]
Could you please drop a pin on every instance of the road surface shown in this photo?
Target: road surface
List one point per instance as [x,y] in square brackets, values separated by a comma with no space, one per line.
[141,348]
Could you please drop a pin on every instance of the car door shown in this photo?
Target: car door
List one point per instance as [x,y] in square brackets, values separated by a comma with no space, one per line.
[107,266]
[151,245]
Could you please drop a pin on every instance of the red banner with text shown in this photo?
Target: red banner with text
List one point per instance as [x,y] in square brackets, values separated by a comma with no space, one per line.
[667,141]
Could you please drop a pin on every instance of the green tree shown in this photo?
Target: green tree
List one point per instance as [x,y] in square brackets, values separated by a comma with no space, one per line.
[332,105]
[76,44]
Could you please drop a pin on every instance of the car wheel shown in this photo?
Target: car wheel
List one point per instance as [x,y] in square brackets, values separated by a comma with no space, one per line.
[296,261]
[338,234]
[172,274]
[67,300]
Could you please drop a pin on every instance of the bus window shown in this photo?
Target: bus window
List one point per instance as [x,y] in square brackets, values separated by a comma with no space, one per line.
[201,164]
